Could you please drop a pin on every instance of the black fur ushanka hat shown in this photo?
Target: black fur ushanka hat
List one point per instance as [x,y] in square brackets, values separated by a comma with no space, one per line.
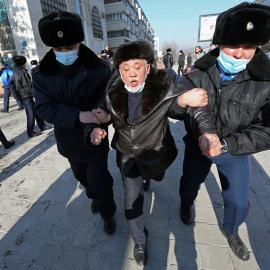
[61,28]
[19,60]
[133,50]
[246,23]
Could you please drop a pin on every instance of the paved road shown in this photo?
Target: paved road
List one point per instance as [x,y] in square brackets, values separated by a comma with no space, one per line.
[46,222]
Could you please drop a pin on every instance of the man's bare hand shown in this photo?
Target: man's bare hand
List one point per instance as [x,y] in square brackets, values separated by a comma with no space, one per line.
[210,145]
[196,97]
[97,135]
[88,117]
[102,116]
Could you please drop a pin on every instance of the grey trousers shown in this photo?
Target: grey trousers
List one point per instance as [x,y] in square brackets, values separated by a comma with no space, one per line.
[133,204]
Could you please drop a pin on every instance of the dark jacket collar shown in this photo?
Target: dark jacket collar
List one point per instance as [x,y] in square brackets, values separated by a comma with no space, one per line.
[87,57]
[258,68]
[156,86]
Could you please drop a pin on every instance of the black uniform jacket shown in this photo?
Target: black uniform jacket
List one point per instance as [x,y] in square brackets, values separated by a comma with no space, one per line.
[22,82]
[241,106]
[148,141]
[60,96]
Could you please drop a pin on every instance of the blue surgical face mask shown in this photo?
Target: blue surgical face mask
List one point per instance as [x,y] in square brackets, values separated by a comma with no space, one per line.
[66,58]
[230,64]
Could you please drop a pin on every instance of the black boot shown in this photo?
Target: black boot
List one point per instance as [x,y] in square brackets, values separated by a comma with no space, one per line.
[34,134]
[186,215]
[237,245]
[93,208]
[140,252]
[4,140]
[9,144]
[45,127]
[109,226]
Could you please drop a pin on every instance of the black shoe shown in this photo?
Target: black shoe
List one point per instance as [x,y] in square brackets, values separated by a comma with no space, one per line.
[109,226]
[140,254]
[46,127]
[34,134]
[9,144]
[237,245]
[186,215]
[93,208]
[20,109]
[146,185]
[4,111]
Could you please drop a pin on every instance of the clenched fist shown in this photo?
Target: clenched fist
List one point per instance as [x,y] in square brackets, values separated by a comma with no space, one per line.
[196,97]
[97,135]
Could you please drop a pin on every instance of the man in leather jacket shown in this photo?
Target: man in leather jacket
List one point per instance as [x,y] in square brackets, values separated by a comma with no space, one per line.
[236,77]
[24,90]
[67,86]
[140,101]
[168,59]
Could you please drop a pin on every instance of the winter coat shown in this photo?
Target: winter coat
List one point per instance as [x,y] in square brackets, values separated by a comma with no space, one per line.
[181,59]
[241,106]
[6,73]
[22,82]
[60,96]
[189,60]
[168,60]
[148,141]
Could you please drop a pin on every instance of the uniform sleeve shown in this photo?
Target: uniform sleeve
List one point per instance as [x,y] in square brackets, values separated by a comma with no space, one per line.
[200,119]
[49,109]
[254,138]
[101,104]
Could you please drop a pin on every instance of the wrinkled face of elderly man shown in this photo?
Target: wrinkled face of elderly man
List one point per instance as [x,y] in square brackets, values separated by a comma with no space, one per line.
[134,73]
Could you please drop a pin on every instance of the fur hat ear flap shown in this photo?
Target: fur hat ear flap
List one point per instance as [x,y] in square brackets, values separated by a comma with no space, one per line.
[19,60]
[61,28]
[246,23]
[133,50]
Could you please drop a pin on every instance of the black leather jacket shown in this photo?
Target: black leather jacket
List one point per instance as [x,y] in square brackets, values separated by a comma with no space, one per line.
[241,106]
[22,82]
[148,141]
[168,60]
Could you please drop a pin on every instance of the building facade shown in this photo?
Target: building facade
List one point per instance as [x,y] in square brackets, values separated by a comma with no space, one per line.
[19,33]
[126,22]
[109,25]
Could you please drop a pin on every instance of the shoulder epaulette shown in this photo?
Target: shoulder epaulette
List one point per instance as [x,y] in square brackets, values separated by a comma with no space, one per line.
[190,70]
[104,62]
[35,69]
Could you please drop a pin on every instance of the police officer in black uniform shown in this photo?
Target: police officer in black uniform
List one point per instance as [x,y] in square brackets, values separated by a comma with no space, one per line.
[68,84]
[236,76]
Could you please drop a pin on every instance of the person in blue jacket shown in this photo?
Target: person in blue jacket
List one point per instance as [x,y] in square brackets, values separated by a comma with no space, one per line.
[67,85]
[6,75]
